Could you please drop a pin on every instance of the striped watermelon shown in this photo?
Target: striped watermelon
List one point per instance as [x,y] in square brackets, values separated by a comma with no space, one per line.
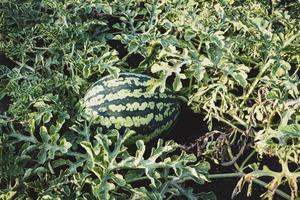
[123,102]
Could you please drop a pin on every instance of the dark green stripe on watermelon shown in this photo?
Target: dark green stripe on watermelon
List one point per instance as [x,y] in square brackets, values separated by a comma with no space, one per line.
[123,102]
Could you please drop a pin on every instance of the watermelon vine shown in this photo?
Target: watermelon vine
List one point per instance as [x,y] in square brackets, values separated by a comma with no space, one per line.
[235,63]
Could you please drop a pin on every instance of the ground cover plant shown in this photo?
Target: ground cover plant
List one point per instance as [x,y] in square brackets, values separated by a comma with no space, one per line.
[235,62]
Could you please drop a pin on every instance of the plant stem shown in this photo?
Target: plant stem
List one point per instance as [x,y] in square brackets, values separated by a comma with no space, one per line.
[270,118]
[247,159]
[225,175]
[199,46]
[137,179]
[233,159]
[183,99]
[228,123]
[247,60]
[279,192]
[257,181]
[239,120]
[181,190]
[235,117]
[288,42]
[252,87]
[191,84]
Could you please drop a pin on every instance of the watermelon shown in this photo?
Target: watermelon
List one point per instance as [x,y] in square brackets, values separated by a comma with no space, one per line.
[124,102]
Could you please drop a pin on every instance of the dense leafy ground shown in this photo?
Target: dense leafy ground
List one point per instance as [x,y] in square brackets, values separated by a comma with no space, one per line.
[235,62]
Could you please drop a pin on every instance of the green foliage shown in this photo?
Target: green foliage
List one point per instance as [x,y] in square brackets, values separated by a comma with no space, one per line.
[234,61]
[164,173]
[284,144]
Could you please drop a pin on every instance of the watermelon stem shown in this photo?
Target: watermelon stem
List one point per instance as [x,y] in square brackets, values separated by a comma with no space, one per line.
[183,99]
